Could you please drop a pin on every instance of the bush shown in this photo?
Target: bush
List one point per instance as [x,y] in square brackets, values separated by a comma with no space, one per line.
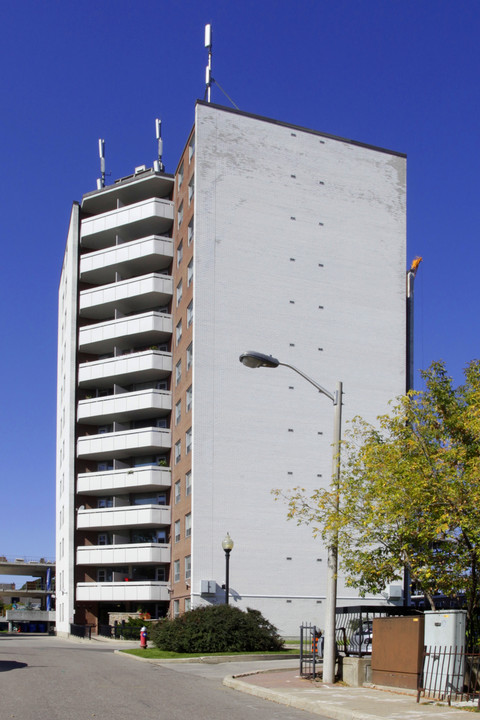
[216,628]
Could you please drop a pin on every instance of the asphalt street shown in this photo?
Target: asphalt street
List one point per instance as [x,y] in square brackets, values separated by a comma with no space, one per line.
[48,678]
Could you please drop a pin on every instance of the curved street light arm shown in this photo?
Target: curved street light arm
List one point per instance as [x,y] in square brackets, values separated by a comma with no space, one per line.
[333,396]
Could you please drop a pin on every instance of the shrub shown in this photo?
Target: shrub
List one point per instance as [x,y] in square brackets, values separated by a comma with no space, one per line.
[216,628]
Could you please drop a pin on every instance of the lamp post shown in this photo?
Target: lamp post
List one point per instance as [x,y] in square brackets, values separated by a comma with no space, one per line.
[227,545]
[255,360]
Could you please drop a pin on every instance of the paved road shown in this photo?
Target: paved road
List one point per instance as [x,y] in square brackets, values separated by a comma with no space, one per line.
[47,678]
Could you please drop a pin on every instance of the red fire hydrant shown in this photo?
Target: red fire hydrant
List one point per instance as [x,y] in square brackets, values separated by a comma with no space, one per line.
[143,637]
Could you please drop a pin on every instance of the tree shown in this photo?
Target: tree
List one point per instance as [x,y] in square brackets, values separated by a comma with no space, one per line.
[409,493]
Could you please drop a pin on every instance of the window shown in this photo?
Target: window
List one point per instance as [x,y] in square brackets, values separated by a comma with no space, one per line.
[177,492]
[188,441]
[190,272]
[188,396]
[176,573]
[191,147]
[178,332]
[189,356]
[180,214]
[178,372]
[191,189]
[177,531]
[105,502]
[188,525]
[189,313]
[179,293]
[188,567]
[180,175]
[188,483]
[160,574]
[178,451]
[179,253]
[104,575]
[178,412]
[104,539]
[188,604]
[176,603]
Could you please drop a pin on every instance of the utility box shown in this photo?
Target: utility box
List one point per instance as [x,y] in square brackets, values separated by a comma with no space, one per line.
[445,633]
[397,651]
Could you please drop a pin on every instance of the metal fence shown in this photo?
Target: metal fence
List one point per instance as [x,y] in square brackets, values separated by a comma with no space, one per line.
[311,650]
[120,631]
[450,674]
[354,625]
[82,631]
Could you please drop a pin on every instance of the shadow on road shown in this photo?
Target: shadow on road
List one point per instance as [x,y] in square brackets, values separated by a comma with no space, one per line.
[11,665]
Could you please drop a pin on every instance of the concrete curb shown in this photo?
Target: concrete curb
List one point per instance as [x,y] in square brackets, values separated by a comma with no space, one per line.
[210,659]
[318,707]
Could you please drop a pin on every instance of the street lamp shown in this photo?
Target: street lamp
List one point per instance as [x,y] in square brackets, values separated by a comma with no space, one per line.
[255,360]
[227,545]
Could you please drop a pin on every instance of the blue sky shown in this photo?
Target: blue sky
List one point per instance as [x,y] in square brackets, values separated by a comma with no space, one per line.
[394,73]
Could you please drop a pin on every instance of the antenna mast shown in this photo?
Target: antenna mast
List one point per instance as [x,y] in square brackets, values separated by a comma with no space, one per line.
[158,165]
[208,69]
[101,153]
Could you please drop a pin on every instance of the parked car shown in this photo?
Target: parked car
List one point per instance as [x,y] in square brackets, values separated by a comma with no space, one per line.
[361,640]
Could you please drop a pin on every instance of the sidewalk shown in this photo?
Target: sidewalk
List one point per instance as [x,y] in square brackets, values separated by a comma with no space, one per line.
[340,702]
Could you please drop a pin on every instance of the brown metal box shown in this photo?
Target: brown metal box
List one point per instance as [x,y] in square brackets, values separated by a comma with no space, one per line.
[397,651]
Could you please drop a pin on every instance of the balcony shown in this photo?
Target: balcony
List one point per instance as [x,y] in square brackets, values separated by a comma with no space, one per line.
[134,554]
[126,516]
[130,259]
[151,591]
[150,440]
[149,328]
[128,190]
[131,222]
[138,479]
[125,369]
[126,296]
[125,406]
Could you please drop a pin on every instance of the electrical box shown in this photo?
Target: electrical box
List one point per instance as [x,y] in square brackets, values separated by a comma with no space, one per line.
[445,630]
[208,587]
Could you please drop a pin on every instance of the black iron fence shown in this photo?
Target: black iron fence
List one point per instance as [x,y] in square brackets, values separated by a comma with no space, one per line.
[354,625]
[311,650]
[120,631]
[82,631]
[450,674]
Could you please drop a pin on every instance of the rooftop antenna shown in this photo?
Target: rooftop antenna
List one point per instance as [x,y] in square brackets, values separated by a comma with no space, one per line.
[158,165]
[208,69]
[209,79]
[101,153]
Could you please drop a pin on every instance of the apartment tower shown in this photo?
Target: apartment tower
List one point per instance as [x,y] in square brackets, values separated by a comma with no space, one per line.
[268,237]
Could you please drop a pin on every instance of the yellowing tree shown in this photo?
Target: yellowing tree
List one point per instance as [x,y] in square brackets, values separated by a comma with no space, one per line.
[409,493]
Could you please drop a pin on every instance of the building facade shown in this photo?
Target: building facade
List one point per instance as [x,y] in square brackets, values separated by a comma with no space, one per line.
[268,237]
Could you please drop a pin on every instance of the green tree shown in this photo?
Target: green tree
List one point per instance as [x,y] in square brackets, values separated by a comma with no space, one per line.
[409,493]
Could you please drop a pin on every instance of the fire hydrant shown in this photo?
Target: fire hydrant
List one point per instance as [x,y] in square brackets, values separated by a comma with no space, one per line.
[143,637]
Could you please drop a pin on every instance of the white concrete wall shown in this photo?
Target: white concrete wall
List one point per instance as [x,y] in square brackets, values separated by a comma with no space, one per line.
[65,483]
[299,252]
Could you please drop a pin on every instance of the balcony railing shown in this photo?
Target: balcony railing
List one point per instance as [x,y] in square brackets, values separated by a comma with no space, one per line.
[148,217]
[133,367]
[125,443]
[126,516]
[134,294]
[154,591]
[132,554]
[137,479]
[124,406]
[147,328]
[137,257]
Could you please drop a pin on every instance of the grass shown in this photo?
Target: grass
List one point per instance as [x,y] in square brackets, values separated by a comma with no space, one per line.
[155,654]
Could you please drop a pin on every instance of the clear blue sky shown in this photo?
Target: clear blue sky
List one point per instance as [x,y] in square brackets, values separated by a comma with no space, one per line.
[400,74]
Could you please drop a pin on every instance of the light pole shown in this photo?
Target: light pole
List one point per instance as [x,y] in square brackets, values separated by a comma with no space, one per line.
[227,545]
[255,360]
